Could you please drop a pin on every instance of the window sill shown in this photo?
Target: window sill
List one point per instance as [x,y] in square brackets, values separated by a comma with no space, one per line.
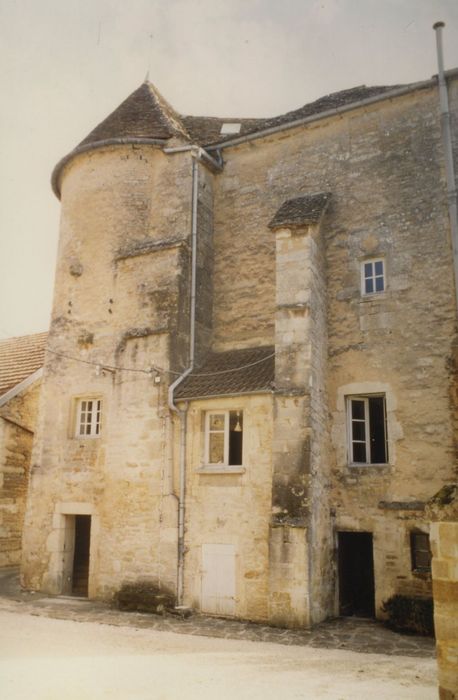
[368,465]
[374,296]
[220,469]
[86,438]
[424,574]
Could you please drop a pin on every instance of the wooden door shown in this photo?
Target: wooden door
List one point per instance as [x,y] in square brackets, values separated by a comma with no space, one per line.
[218,579]
[80,578]
[356,574]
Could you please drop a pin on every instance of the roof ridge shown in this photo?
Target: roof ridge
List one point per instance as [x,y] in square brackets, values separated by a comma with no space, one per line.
[167,110]
[23,337]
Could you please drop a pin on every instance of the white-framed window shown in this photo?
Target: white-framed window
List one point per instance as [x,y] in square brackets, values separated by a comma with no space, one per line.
[88,417]
[373,276]
[367,430]
[223,438]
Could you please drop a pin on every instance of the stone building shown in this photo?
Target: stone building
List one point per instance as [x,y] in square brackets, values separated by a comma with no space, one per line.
[21,362]
[442,511]
[247,396]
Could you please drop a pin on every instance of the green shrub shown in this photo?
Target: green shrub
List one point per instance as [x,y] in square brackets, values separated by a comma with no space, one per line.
[410,614]
[144,596]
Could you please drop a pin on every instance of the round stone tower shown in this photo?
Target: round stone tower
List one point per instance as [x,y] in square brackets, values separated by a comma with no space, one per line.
[100,510]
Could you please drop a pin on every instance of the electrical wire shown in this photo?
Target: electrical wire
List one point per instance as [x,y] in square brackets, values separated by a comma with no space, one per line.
[153,368]
[102,365]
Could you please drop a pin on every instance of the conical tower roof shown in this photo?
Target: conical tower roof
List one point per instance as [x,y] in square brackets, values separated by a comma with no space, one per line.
[144,114]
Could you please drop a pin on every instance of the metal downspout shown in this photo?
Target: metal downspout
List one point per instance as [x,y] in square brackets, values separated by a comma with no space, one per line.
[182,413]
[447,140]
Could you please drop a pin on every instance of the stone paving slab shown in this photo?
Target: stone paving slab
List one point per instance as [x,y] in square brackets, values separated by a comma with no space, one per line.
[352,634]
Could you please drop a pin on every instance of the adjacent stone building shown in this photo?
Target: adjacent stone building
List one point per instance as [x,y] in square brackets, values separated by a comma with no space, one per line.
[247,397]
[21,362]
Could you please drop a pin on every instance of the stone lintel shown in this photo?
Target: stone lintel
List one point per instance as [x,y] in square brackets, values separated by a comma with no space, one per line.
[132,333]
[296,231]
[300,306]
[137,248]
[289,392]
[280,520]
[402,505]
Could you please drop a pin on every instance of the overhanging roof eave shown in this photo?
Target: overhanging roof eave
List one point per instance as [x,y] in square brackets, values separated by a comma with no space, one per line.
[223,396]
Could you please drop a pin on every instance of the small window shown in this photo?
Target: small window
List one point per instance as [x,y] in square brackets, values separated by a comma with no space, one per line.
[373,276]
[367,434]
[224,438]
[88,417]
[420,551]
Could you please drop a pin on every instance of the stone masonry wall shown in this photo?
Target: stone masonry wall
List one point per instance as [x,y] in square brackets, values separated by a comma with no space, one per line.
[121,300]
[231,508]
[383,165]
[301,476]
[444,541]
[320,533]
[205,260]
[17,425]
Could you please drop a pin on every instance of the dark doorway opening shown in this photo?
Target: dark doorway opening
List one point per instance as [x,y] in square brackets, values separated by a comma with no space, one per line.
[80,577]
[356,574]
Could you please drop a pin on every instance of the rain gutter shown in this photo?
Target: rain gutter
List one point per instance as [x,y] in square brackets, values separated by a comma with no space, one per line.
[448,153]
[216,164]
[182,413]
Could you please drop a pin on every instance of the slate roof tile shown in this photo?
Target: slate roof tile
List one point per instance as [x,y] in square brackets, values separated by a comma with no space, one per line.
[144,114]
[19,358]
[207,130]
[301,211]
[220,374]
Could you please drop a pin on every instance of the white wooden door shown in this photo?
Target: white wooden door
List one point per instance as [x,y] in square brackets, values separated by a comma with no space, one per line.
[218,579]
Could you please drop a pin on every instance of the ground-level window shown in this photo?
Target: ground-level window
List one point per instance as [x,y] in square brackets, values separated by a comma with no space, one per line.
[224,438]
[373,278]
[420,551]
[88,417]
[367,433]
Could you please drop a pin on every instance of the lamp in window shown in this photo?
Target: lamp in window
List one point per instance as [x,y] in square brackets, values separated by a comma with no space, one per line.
[238,427]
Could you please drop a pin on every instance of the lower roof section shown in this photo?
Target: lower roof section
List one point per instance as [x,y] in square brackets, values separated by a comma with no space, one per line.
[19,358]
[230,373]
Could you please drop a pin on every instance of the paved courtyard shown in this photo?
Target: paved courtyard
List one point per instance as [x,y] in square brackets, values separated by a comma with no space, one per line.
[359,635]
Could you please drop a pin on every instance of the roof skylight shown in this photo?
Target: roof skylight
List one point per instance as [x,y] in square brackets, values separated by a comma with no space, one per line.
[230,128]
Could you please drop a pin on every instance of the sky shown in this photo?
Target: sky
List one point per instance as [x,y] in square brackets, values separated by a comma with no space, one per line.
[66,64]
